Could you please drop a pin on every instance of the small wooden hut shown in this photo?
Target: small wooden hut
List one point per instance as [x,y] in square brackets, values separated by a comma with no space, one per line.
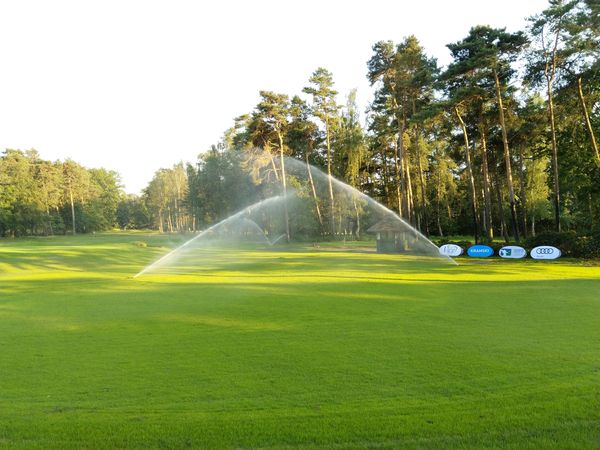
[391,236]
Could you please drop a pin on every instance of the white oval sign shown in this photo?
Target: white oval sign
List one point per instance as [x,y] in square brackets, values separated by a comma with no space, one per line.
[512,252]
[545,252]
[451,250]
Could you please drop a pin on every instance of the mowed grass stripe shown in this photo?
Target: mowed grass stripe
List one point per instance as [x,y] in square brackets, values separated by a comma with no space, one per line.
[300,349]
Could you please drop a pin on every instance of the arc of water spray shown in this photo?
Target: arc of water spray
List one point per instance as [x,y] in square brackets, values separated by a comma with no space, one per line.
[342,185]
[264,234]
[300,166]
[389,211]
[208,230]
[274,241]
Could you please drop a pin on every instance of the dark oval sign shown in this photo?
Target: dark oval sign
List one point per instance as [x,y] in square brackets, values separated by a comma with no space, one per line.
[480,251]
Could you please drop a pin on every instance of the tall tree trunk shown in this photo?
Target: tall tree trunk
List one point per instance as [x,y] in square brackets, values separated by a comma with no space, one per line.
[437,204]
[49,219]
[72,208]
[329,178]
[314,191]
[497,187]
[549,81]
[409,192]
[487,199]
[423,207]
[176,215]
[169,221]
[550,73]
[500,204]
[509,180]
[588,123]
[386,177]
[178,222]
[357,212]
[405,183]
[470,173]
[267,148]
[503,226]
[399,179]
[274,166]
[284,184]
[522,193]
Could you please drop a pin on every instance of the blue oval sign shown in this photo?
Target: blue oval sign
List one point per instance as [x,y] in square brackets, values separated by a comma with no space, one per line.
[480,251]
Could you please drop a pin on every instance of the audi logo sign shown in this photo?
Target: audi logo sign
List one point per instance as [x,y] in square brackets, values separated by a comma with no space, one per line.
[545,252]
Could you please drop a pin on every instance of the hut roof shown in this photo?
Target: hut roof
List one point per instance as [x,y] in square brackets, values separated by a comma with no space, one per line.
[387,225]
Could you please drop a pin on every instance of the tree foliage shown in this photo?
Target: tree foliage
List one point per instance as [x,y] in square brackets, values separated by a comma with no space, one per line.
[45,197]
[501,142]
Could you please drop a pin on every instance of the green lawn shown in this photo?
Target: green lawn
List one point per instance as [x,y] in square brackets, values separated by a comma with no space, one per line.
[302,348]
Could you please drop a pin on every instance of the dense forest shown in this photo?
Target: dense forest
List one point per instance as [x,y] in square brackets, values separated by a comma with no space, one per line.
[43,197]
[501,142]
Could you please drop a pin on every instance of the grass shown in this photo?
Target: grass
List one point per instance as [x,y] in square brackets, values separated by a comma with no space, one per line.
[302,348]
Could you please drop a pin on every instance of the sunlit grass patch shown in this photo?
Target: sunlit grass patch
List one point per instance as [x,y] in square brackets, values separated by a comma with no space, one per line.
[300,347]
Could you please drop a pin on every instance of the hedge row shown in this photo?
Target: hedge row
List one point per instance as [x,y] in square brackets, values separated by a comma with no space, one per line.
[569,243]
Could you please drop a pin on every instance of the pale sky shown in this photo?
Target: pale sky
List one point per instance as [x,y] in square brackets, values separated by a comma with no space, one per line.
[136,85]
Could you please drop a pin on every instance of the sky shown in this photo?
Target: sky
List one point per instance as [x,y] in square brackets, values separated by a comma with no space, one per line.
[136,85]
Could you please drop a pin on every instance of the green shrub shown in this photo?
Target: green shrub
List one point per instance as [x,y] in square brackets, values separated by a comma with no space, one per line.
[565,241]
[461,243]
[588,246]
[569,243]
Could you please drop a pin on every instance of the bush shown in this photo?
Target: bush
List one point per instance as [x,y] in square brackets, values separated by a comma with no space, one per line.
[461,243]
[496,246]
[565,241]
[569,243]
[588,246]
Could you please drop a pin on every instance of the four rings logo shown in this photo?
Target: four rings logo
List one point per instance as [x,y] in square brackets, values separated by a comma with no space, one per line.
[545,252]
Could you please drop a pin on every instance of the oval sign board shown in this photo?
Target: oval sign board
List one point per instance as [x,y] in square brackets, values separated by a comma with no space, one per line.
[513,252]
[451,250]
[480,251]
[545,252]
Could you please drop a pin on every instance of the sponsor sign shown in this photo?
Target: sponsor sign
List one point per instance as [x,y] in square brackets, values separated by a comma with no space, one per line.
[451,250]
[545,252]
[480,251]
[512,252]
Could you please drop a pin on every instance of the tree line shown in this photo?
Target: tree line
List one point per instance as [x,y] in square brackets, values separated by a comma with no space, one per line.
[39,197]
[501,142]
